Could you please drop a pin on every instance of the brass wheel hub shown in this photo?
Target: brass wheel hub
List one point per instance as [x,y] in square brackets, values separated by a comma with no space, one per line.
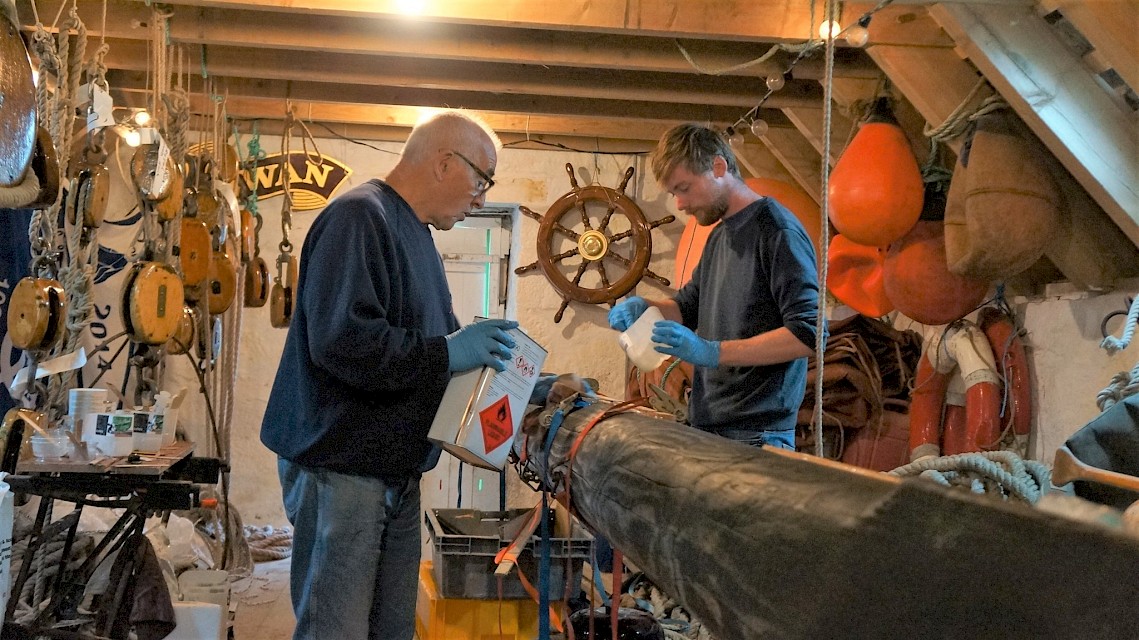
[593,245]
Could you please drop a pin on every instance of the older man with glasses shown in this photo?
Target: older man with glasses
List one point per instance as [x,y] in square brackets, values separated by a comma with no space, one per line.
[369,352]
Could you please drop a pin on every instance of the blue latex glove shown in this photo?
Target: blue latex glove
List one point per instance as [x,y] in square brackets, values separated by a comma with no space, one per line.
[678,340]
[542,388]
[622,316]
[480,343]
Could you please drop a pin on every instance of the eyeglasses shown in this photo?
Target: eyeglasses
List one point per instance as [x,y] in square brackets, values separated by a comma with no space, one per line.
[485,183]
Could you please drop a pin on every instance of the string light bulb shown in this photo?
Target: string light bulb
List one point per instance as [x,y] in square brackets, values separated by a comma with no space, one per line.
[735,138]
[829,28]
[759,127]
[141,117]
[129,135]
[858,34]
[775,82]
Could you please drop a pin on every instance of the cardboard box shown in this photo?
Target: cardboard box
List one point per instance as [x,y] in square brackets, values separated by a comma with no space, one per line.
[482,409]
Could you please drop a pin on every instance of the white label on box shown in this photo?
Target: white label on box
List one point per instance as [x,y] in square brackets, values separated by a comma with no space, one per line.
[482,409]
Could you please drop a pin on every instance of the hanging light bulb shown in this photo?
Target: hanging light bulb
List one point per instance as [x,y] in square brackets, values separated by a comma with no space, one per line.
[858,34]
[759,127]
[141,117]
[829,28]
[775,82]
[735,138]
[130,136]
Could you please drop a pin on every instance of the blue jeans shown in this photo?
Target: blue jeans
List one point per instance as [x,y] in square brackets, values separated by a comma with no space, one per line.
[784,439]
[356,545]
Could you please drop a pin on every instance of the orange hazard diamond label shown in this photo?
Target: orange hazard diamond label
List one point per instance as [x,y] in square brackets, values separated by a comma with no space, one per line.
[497,424]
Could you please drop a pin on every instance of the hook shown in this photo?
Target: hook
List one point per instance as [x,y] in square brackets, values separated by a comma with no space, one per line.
[1127,302]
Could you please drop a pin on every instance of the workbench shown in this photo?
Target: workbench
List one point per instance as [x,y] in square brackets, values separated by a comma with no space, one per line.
[139,484]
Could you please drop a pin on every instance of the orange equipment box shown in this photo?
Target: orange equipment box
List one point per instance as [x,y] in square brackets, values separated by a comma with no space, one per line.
[439,618]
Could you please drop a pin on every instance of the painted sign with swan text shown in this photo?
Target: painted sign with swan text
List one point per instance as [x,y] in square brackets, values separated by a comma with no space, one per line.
[313,178]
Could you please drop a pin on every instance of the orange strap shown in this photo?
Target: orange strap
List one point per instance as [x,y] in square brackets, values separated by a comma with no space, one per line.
[555,619]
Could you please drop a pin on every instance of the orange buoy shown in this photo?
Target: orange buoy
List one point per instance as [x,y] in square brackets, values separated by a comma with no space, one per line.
[856,277]
[690,248]
[920,285]
[876,187]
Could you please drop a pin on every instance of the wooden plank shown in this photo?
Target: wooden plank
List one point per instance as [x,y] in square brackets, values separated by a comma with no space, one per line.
[1049,88]
[478,100]
[472,76]
[798,158]
[392,37]
[757,161]
[809,123]
[1093,253]
[405,116]
[1111,26]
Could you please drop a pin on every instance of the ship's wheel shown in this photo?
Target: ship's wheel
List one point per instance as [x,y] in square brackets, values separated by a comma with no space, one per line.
[600,219]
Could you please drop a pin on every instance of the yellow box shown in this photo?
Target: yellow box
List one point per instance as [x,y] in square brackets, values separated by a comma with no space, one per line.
[438,618]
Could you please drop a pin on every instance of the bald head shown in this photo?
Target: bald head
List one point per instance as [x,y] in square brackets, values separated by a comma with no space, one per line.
[447,130]
[446,167]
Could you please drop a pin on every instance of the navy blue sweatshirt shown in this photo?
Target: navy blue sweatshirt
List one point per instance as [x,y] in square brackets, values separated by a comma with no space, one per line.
[757,273]
[365,361]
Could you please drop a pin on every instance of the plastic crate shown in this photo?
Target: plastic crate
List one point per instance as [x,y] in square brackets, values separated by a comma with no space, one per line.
[439,618]
[465,543]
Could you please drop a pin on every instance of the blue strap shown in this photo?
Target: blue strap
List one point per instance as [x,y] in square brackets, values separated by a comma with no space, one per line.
[598,583]
[544,573]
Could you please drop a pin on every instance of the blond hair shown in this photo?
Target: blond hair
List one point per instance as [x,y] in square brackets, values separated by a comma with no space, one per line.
[695,147]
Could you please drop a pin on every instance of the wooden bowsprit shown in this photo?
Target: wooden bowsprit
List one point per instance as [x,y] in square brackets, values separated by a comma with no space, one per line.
[774,544]
[594,244]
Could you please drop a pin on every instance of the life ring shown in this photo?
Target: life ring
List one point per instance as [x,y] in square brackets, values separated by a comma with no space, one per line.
[1012,362]
[964,347]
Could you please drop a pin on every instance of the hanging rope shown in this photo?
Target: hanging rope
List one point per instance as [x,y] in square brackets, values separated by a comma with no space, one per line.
[820,321]
[1114,345]
[958,122]
[1001,473]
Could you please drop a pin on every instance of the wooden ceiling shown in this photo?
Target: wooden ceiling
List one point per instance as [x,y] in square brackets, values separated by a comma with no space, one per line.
[612,75]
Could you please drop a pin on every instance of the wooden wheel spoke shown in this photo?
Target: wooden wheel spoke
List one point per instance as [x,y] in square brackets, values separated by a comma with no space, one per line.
[605,221]
[580,271]
[530,213]
[527,268]
[659,278]
[665,220]
[561,310]
[620,236]
[604,276]
[566,230]
[584,215]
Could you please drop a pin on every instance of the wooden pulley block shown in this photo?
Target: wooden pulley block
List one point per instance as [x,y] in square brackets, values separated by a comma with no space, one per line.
[248,236]
[195,251]
[18,109]
[169,207]
[91,189]
[282,300]
[209,206]
[256,283]
[46,166]
[37,313]
[183,339]
[152,299]
[15,435]
[154,181]
[222,287]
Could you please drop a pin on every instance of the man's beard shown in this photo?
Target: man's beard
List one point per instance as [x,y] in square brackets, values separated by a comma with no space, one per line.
[714,212]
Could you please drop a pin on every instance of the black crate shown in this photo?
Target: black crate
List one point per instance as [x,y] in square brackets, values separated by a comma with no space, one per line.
[466,541]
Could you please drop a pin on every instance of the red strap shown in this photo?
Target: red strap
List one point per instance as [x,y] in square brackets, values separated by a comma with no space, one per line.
[555,619]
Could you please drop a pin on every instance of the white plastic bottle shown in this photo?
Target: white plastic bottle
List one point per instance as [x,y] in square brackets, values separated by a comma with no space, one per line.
[638,344]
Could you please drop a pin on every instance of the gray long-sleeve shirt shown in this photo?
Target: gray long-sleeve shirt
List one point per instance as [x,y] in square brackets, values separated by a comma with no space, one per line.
[757,273]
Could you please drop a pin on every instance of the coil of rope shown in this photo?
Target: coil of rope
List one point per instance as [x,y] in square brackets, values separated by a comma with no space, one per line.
[1001,473]
[269,543]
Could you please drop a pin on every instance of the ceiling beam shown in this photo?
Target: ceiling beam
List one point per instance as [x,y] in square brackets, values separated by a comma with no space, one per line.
[1058,98]
[477,100]
[798,158]
[470,76]
[399,38]
[405,117]
[809,122]
[768,20]
[1111,27]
